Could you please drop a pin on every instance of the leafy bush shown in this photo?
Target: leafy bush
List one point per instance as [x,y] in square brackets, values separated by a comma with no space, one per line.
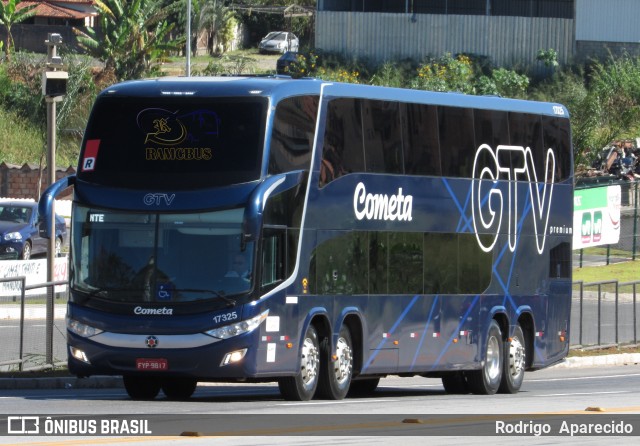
[446,74]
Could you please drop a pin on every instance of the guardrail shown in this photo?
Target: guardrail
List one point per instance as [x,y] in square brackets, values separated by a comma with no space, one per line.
[602,314]
[46,360]
[606,313]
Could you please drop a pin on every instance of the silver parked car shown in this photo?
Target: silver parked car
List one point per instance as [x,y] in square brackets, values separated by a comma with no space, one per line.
[278,42]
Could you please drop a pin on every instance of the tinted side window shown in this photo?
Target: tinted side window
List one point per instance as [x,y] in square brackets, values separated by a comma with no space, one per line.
[421,143]
[382,136]
[293,134]
[343,150]
[456,141]
[405,263]
[455,264]
[492,129]
[557,137]
[339,264]
[378,263]
[560,261]
[395,263]
[526,131]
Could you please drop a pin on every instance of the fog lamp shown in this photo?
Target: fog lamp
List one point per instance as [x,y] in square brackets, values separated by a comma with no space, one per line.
[232,357]
[79,354]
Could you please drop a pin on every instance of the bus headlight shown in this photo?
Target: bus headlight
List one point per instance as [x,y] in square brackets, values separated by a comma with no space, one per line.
[84,330]
[228,331]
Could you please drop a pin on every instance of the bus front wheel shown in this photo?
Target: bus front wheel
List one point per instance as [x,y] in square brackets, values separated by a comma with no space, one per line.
[179,389]
[337,370]
[141,387]
[303,385]
[514,362]
[486,381]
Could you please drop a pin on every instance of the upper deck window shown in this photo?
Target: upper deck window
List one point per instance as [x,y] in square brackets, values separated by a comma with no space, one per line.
[293,133]
[177,143]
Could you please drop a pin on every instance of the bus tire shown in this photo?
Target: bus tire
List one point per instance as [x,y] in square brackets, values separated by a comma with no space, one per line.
[363,387]
[486,381]
[515,360]
[179,389]
[141,387]
[335,377]
[302,386]
[455,383]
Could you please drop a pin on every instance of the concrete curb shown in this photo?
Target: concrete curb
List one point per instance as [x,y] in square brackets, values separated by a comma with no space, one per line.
[598,361]
[62,382]
[114,382]
[12,312]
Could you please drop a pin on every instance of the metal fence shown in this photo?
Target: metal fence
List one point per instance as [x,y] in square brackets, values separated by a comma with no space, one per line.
[33,326]
[602,313]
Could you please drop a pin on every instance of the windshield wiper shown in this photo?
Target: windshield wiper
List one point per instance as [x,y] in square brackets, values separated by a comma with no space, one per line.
[230,302]
[103,292]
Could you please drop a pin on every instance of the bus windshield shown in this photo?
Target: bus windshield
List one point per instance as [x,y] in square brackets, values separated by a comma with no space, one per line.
[159,258]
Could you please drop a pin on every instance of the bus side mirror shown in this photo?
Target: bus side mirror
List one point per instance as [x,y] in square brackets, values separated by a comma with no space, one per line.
[252,220]
[46,218]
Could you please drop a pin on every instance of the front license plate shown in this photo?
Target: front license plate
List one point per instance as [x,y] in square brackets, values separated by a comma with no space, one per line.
[152,364]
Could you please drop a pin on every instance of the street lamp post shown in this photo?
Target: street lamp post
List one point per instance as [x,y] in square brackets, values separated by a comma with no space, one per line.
[54,87]
[188,49]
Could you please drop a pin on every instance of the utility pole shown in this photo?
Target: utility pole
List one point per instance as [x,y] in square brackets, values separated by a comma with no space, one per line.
[188,49]
[54,87]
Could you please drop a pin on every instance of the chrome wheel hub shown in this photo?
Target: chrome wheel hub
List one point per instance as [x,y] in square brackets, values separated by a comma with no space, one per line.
[516,357]
[310,361]
[492,366]
[344,361]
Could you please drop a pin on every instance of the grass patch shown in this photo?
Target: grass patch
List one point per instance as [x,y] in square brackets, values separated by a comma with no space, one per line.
[20,143]
[622,272]
[604,350]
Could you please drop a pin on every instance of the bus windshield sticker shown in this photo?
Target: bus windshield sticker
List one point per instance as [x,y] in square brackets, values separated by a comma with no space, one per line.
[170,130]
[90,155]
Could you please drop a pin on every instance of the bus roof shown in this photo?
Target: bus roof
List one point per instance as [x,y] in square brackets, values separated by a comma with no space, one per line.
[278,87]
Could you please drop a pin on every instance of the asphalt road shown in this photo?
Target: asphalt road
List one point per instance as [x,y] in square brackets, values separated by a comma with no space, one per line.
[415,406]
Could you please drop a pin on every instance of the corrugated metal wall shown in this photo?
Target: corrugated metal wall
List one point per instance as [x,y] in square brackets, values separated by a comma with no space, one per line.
[610,21]
[508,41]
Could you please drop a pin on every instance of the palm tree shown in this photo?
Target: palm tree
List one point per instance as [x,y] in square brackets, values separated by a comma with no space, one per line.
[134,36]
[213,18]
[10,14]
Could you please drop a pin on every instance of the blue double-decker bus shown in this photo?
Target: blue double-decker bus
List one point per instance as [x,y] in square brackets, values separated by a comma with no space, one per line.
[321,235]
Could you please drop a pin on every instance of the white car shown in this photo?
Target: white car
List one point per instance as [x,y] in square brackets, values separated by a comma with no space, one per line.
[278,42]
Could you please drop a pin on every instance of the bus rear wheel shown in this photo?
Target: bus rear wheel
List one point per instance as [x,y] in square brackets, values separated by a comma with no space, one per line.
[337,370]
[455,383]
[179,389]
[363,387]
[303,386]
[515,359]
[486,381]
[141,387]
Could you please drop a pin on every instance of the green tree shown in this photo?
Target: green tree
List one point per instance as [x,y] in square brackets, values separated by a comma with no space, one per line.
[219,22]
[264,16]
[134,38]
[11,12]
